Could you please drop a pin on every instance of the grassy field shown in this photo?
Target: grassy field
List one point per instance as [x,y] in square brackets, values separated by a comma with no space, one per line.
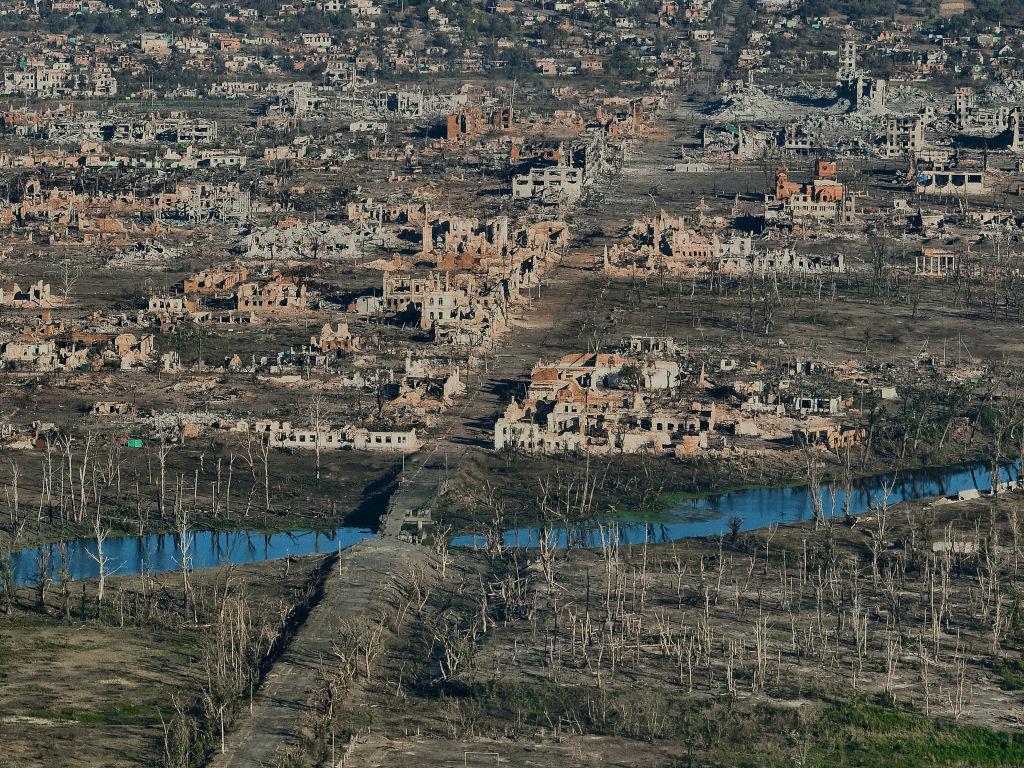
[119,688]
[811,646]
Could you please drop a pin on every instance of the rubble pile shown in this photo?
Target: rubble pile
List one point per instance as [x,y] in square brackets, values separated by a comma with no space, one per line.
[749,103]
[296,240]
[145,254]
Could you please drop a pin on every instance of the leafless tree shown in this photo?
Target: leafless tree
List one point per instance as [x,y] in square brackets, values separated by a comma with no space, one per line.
[264,452]
[68,273]
[817,504]
[7,583]
[15,478]
[64,577]
[41,578]
[100,534]
[316,413]
[185,539]
[163,450]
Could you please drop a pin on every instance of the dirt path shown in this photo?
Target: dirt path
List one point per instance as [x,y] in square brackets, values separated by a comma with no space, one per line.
[367,568]
[279,705]
[549,327]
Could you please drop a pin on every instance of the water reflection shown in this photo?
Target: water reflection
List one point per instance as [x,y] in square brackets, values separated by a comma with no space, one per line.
[687,518]
[762,507]
[158,553]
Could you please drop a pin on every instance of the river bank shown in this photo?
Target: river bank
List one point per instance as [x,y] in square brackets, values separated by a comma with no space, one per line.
[684,517]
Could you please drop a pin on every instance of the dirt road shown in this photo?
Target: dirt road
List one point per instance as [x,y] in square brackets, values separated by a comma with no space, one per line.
[551,325]
[360,575]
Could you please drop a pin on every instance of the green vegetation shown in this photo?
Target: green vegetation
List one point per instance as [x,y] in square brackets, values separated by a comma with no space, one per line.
[822,319]
[999,11]
[1011,675]
[880,735]
[852,9]
[727,732]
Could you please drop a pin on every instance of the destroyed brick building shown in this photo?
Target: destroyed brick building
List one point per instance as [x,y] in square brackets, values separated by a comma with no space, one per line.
[525,277]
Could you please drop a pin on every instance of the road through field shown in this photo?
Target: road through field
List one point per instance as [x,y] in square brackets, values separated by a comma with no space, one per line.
[549,325]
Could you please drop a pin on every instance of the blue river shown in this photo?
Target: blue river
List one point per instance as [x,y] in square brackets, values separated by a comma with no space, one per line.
[760,508]
[685,518]
[158,553]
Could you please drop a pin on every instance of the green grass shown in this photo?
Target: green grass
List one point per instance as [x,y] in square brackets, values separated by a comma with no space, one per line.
[1011,675]
[871,734]
[820,319]
[729,732]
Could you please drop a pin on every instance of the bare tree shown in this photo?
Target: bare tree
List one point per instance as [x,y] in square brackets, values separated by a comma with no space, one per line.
[41,578]
[315,411]
[100,534]
[68,273]
[7,581]
[264,448]
[64,577]
[185,538]
[15,477]
[817,504]
[162,451]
